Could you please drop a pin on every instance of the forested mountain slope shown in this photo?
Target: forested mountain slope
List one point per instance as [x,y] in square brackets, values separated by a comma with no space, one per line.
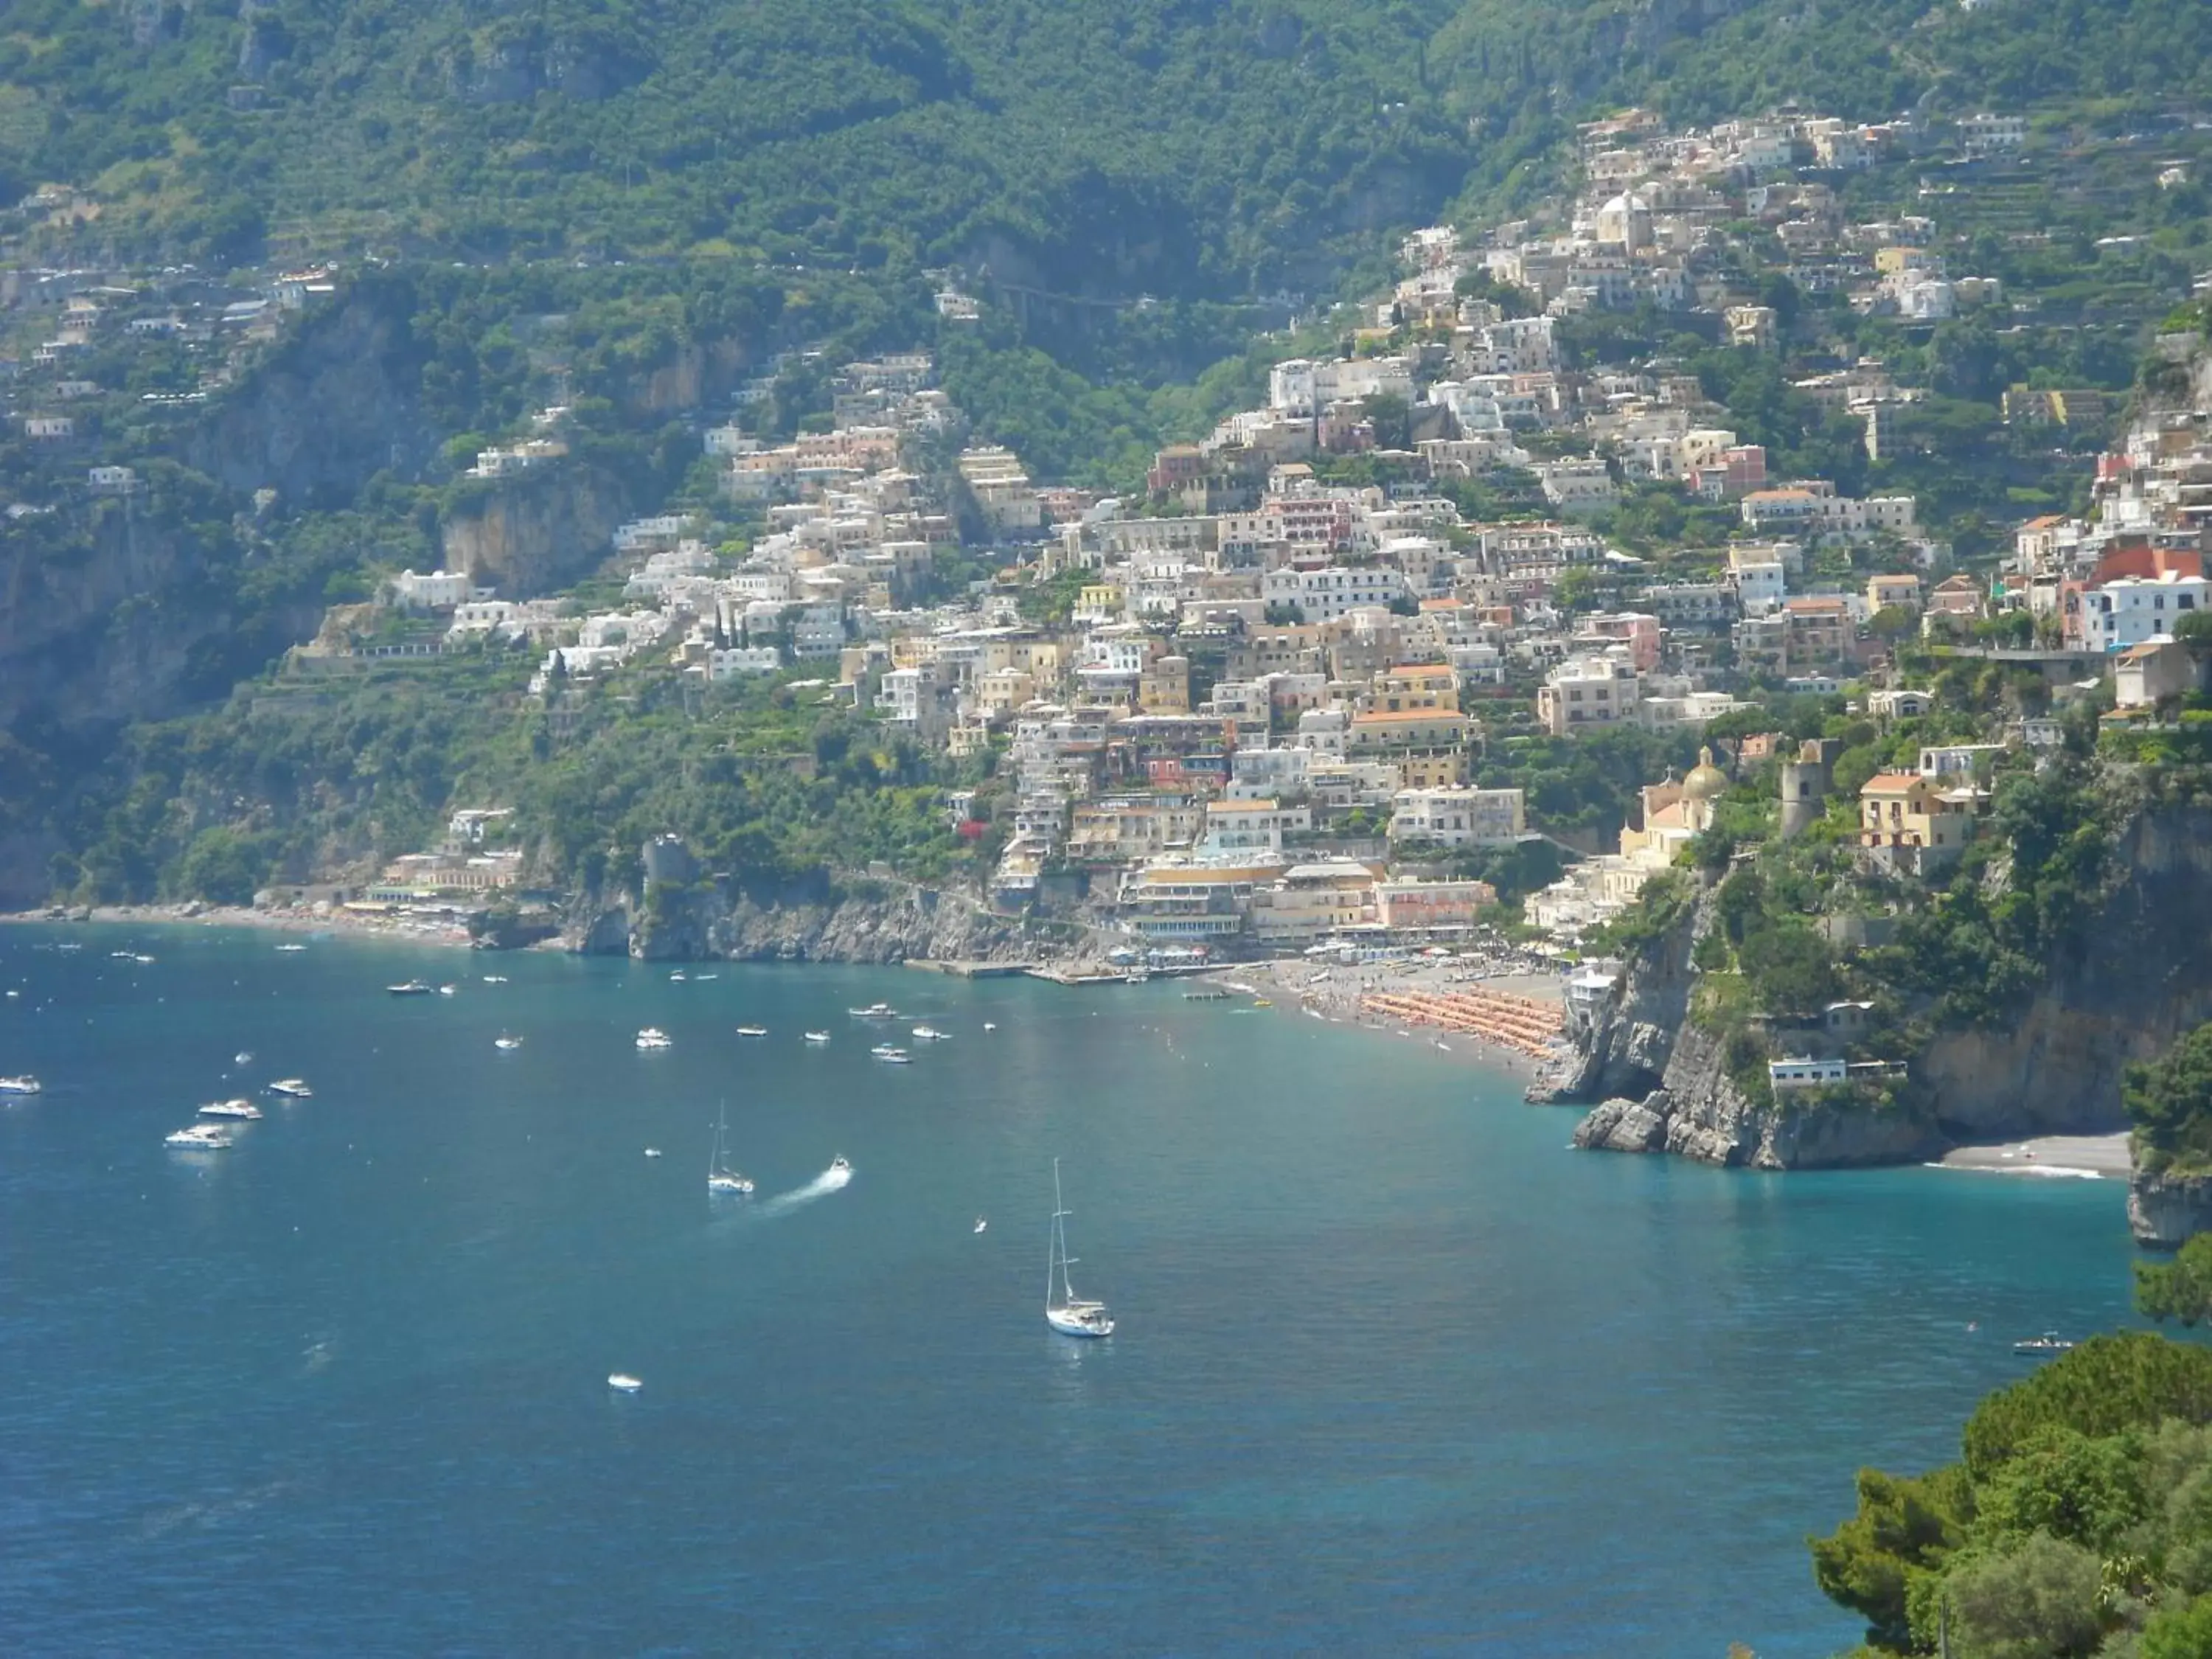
[1178,147]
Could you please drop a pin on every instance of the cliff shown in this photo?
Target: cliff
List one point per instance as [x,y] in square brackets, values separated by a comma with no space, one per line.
[804,921]
[2165,1212]
[2142,976]
[542,531]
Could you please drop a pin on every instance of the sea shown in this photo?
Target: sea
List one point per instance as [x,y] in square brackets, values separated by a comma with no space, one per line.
[1396,1371]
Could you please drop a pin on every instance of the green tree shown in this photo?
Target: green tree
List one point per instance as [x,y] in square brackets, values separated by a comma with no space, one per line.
[2170,1101]
[2180,1289]
[2041,1602]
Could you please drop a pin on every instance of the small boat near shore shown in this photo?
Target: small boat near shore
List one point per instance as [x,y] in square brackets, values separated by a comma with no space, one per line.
[623,1382]
[2038,1348]
[874,1010]
[244,1111]
[292,1088]
[507,1044]
[931,1034]
[890,1055]
[817,1038]
[25,1084]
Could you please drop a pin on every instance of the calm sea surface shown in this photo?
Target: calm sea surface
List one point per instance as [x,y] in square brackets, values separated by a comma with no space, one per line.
[1397,1373]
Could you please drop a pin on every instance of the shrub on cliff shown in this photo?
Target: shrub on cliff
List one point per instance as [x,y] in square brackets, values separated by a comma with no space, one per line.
[2170,1104]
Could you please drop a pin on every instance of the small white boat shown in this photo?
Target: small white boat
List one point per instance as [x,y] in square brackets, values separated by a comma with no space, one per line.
[990,1026]
[752,1031]
[653,1151]
[143,962]
[721,1177]
[676,978]
[891,1057]
[12,994]
[838,1166]
[817,1038]
[623,1382]
[874,1010]
[26,1084]
[931,1034]
[409,987]
[706,976]
[2038,1347]
[243,1057]
[495,979]
[120,956]
[1065,1311]
[653,1038]
[198,1138]
[294,1088]
[448,990]
[507,1044]
[244,1110]
[981,1223]
[290,950]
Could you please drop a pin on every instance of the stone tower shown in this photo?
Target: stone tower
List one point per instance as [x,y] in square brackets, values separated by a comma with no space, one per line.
[1805,783]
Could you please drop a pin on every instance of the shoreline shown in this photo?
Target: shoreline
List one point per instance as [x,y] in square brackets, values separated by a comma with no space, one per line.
[1334,994]
[2080,1157]
[407,931]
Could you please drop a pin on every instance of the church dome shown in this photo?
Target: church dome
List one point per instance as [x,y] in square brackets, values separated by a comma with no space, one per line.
[1706,781]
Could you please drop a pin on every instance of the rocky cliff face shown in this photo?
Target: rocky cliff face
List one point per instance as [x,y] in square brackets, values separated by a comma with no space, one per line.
[2142,977]
[2166,1212]
[538,531]
[1626,1051]
[808,922]
[331,408]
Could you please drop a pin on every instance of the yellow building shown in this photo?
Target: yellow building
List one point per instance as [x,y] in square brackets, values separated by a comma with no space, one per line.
[1905,812]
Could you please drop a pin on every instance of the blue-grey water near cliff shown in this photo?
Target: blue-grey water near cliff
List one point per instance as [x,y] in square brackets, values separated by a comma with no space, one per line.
[1396,1371]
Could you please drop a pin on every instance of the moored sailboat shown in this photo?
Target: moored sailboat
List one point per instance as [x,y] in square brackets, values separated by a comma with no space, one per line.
[1065,1311]
[721,1177]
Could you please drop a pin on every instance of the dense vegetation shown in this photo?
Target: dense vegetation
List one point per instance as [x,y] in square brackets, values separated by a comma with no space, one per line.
[2170,1104]
[1078,148]
[2078,1522]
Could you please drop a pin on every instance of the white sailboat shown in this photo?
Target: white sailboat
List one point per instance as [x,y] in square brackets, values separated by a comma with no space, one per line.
[721,1177]
[1064,1310]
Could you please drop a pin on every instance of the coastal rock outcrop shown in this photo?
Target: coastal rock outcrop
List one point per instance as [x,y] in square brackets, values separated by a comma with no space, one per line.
[2141,977]
[2165,1212]
[876,922]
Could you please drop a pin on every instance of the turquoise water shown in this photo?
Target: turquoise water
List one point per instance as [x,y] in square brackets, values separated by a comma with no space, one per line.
[1396,1371]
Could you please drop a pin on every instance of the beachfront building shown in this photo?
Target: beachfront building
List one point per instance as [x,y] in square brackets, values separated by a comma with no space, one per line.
[1310,901]
[1459,817]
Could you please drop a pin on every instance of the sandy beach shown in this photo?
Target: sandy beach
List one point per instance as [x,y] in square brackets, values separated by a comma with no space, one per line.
[2082,1156]
[1303,988]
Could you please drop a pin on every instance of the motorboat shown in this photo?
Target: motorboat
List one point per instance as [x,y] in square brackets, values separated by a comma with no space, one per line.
[243,1057]
[931,1034]
[623,1382]
[653,1151]
[2038,1347]
[1065,1311]
[721,1177]
[290,950]
[26,1084]
[448,990]
[507,1044]
[704,977]
[677,977]
[121,956]
[817,1038]
[874,1010]
[292,1087]
[411,988]
[244,1110]
[495,979]
[891,1057]
[653,1038]
[839,1166]
[981,1223]
[198,1138]
[143,961]
[752,1031]
[990,1026]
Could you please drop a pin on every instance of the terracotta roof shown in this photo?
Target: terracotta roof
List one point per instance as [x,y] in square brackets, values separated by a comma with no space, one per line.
[1890,783]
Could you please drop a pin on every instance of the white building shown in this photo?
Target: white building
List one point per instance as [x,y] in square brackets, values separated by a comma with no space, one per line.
[1587,691]
[441,590]
[2130,609]
[1333,591]
[1459,818]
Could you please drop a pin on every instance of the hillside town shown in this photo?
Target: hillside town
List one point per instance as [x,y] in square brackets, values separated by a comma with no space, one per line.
[1248,709]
